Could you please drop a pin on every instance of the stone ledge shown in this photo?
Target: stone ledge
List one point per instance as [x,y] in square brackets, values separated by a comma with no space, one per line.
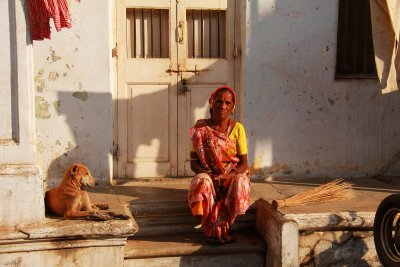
[13,246]
[330,221]
[284,232]
[57,228]
[333,220]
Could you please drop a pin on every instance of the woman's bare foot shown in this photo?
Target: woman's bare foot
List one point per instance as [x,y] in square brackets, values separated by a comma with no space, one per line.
[225,234]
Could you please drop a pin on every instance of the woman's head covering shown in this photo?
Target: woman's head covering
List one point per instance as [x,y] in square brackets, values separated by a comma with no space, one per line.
[214,94]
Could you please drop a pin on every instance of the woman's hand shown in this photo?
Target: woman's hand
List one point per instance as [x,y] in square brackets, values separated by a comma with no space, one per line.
[220,177]
[225,176]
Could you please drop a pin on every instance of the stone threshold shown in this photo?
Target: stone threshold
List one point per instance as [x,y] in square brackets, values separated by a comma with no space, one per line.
[191,244]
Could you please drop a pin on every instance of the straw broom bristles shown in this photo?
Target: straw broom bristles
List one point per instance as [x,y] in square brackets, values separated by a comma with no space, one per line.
[332,191]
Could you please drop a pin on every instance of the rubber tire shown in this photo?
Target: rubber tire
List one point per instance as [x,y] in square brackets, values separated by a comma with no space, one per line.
[390,202]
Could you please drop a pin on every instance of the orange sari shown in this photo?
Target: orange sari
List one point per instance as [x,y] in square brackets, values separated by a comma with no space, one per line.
[218,204]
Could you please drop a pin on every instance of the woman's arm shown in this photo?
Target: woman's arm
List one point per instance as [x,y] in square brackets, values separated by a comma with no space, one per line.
[195,164]
[242,165]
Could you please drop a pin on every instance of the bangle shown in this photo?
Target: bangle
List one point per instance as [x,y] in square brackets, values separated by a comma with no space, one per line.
[235,170]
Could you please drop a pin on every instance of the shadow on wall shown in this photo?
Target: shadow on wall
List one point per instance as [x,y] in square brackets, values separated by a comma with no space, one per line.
[89,140]
[300,120]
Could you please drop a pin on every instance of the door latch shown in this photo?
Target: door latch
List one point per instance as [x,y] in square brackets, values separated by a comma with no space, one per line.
[184,88]
[181,31]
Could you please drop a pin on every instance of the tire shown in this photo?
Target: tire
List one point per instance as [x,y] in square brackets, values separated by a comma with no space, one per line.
[387,231]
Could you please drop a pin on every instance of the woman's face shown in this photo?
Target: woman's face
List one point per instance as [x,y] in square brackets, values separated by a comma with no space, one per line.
[222,106]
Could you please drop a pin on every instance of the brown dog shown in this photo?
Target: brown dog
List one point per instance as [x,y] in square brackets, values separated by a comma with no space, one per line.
[71,201]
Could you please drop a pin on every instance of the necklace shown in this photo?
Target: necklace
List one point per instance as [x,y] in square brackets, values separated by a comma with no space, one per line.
[227,130]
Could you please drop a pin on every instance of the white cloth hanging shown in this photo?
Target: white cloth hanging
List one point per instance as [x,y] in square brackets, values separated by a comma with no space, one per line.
[385,20]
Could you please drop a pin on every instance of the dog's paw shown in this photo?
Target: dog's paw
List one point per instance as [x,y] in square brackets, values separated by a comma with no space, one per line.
[118,216]
[99,216]
[102,206]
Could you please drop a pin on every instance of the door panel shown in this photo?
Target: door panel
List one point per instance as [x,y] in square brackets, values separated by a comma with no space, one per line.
[147,113]
[207,49]
[150,104]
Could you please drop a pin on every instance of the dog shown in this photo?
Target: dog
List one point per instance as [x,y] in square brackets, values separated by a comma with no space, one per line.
[70,200]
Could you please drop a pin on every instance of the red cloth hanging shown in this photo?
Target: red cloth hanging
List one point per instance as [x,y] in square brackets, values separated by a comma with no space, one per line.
[40,12]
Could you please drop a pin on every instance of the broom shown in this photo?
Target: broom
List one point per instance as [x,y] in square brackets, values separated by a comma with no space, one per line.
[332,191]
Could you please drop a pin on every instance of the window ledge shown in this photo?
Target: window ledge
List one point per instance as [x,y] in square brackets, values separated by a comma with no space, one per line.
[356,76]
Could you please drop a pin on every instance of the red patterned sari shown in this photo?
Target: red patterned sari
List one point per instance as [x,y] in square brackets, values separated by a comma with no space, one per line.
[221,202]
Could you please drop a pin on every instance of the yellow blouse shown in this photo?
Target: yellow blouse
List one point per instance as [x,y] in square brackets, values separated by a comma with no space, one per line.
[238,134]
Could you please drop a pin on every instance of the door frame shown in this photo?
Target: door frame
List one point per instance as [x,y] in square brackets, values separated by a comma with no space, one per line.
[239,68]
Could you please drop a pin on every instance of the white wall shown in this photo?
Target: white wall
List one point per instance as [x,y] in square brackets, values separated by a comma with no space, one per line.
[299,120]
[73,93]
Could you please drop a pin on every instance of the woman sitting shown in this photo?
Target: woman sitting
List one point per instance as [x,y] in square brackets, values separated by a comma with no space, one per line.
[220,191]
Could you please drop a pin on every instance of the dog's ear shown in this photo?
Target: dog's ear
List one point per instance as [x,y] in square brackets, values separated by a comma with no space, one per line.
[74,170]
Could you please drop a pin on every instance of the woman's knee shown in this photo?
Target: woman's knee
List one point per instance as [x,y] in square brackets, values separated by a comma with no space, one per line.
[202,175]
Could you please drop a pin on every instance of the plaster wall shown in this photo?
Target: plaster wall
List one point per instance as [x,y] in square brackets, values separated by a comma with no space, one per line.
[338,248]
[300,121]
[73,75]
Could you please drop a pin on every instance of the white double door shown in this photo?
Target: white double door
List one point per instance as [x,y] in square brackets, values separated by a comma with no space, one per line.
[171,55]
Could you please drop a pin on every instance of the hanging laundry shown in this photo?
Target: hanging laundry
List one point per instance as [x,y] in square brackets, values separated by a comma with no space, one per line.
[385,21]
[40,12]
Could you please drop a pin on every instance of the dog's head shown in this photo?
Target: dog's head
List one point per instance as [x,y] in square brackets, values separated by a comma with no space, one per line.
[81,175]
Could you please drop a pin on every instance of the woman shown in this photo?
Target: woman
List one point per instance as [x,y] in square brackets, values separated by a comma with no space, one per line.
[220,189]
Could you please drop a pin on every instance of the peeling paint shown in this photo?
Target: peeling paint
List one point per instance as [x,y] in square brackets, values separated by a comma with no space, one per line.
[39,81]
[349,167]
[41,108]
[40,147]
[56,105]
[53,55]
[326,50]
[288,171]
[70,147]
[53,76]
[82,95]
[277,167]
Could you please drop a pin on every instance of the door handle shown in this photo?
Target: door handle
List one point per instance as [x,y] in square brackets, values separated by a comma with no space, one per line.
[181,31]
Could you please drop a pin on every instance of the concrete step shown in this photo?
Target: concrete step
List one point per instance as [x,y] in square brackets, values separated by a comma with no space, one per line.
[185,224]
[187,218]
[189,250]
[172,207]
[167,218]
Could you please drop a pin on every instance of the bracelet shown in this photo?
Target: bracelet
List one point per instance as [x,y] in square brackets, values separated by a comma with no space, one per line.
[235,170]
